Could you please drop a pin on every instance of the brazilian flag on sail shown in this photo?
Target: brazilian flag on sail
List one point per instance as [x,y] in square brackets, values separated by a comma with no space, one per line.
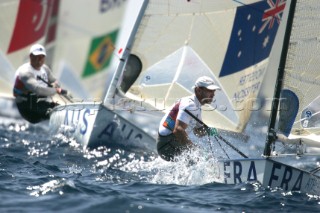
[100,53]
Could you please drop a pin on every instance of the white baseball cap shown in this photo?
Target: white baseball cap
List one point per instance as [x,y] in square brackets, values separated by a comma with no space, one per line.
[37,49]
[206,82]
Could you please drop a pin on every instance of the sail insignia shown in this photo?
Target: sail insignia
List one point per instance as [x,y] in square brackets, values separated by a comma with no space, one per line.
[289,105]
[260,25]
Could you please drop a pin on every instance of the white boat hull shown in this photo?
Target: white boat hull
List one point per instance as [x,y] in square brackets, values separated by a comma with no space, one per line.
[269,173]
[94,124]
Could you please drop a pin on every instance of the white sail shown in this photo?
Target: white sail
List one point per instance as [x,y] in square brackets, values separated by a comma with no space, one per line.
[19,30]
[179,41]
[7,76]
[299,115]
[79,46]
[85,42]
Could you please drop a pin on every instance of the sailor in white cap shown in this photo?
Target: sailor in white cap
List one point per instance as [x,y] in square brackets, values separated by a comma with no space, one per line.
[177,123]
[34,85]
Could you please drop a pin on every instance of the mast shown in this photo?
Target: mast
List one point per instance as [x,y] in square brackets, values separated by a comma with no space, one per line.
[117,75]
[271,137]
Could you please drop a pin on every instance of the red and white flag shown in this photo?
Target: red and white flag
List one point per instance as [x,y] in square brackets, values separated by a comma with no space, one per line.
[31,23]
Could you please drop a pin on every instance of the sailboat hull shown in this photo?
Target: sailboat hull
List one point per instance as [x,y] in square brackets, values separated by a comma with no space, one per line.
[269,173]
[94,124]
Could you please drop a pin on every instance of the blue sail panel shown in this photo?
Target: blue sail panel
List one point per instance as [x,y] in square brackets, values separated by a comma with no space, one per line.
[289,106]
[254,30]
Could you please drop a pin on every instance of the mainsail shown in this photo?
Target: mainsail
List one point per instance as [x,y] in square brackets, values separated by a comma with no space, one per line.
[22,24]
[300,101]
[86,38]
[79,47]
[179,41]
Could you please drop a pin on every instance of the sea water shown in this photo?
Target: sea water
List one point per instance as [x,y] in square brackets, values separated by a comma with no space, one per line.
[40,172]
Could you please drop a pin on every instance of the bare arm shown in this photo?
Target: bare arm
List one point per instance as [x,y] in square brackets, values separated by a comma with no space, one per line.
[180,133]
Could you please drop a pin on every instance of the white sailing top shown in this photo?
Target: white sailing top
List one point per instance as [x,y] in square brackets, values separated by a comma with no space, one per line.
[27,80]
[177,111]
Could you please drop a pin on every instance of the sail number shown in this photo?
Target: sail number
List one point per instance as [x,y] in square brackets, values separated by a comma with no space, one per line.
[80,121]
[286,177]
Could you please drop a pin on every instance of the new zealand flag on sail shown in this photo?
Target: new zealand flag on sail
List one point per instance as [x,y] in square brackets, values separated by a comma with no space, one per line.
[252,36]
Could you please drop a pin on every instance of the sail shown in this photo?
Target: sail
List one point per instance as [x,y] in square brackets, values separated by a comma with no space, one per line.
[79,37]
[7,76]
[23,23]
[86,38]
[300,101]
[229,41]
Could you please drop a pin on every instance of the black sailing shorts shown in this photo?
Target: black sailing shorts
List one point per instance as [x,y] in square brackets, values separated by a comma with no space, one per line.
[168,147]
